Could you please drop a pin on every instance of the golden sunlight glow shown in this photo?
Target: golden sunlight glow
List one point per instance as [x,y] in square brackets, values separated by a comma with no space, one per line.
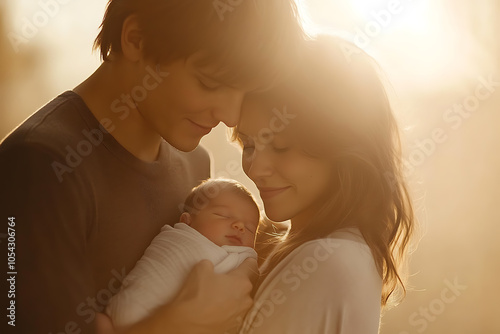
[408,37]
[442,62]
[365,7]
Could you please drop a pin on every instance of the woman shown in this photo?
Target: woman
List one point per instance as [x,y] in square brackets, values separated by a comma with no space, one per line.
[332,166]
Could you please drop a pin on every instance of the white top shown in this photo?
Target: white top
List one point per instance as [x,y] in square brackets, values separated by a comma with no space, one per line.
[161,271]
[327,286]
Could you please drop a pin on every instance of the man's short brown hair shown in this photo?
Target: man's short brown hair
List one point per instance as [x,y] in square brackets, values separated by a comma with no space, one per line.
[245,39]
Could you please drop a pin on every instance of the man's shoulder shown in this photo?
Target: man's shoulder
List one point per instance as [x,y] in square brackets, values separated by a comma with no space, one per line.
[52,127]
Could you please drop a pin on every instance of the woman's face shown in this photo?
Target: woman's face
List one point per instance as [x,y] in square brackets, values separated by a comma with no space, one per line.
[292,184]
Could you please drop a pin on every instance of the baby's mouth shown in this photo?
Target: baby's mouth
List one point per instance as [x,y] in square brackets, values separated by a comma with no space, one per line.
[234,239]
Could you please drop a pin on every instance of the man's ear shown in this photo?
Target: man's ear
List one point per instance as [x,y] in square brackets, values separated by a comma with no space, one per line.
[185,218]
[131,39]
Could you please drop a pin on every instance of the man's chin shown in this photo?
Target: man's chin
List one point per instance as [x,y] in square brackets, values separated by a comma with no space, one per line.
[184,146]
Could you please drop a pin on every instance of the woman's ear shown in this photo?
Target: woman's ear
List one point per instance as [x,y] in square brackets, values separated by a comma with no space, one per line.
[131,39]
[185,218]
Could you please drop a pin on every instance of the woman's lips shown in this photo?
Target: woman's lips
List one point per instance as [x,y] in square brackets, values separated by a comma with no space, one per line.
[268,192]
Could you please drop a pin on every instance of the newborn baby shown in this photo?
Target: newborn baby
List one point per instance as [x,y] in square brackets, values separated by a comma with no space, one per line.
[219,223]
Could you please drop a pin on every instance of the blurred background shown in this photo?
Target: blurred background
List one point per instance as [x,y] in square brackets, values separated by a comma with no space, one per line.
[442,58]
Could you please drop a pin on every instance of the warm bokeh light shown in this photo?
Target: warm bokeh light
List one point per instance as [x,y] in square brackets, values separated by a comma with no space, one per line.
[442,58]
[417,42]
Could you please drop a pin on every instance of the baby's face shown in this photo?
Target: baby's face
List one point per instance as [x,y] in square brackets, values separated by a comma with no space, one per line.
[228,219]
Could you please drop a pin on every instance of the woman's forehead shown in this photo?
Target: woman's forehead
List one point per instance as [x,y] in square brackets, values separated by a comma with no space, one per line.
[264,118]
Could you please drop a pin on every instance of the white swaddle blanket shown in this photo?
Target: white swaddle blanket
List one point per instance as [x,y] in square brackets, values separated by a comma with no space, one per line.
[160,273]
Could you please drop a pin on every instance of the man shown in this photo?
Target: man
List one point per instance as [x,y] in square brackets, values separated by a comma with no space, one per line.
[89,179]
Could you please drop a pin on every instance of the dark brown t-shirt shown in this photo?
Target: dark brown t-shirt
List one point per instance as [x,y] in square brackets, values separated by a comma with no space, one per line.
[85,210]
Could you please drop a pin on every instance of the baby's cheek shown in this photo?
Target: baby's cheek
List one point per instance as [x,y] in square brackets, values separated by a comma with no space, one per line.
[251,241]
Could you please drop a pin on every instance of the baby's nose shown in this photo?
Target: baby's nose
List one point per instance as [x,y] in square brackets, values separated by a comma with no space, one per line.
[239,226]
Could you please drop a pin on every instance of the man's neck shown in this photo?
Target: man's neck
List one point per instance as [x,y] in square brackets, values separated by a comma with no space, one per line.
[103,91]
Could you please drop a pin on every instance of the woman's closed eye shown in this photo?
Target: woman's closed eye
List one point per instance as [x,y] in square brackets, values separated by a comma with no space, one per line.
[282,149]
[247,144]
[248,149]
[281,144]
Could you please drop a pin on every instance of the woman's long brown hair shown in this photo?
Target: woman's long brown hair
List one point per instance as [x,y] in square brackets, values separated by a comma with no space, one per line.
[344,116]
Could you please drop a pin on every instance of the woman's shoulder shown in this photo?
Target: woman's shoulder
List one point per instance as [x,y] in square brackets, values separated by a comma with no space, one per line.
[346,246]
[342,257]
[337,272]
[342,261]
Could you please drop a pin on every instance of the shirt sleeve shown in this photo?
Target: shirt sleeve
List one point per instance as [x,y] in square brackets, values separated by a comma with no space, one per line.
[327,286]
[53,280]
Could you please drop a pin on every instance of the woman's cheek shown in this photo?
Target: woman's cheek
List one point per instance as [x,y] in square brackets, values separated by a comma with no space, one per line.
[246,162]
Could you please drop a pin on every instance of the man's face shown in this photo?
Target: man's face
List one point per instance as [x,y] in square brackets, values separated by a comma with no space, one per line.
[187,103]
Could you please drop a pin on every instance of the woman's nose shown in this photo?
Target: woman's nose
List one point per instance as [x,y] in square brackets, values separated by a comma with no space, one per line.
[258,164]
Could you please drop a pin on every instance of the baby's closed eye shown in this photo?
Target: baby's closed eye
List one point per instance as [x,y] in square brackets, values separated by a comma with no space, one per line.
[222,213]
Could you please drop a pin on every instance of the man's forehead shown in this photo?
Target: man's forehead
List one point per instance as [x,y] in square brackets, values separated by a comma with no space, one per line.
[218,70]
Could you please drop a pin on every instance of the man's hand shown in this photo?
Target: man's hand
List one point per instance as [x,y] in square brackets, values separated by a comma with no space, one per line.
[207,302]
